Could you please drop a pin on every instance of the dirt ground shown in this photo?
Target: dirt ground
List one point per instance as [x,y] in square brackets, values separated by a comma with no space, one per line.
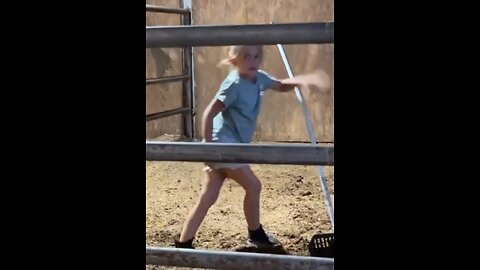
[292,206]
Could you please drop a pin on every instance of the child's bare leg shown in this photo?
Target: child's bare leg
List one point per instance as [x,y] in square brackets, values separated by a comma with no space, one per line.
[251,206]
[210,189]
[253,187]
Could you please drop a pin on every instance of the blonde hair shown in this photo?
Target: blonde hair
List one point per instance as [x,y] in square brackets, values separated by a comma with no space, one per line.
[233,52]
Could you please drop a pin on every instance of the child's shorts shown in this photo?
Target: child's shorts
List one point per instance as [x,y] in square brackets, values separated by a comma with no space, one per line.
[233,166]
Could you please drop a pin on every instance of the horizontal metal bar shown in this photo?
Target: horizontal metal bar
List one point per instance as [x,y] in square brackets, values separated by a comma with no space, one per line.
[167,79]
[230,260]
[153,8]
[158,115]
[240,153]
[251,34]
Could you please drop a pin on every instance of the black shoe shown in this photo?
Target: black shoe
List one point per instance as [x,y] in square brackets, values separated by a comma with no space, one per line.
[268,242]
[186,244]
[260,239]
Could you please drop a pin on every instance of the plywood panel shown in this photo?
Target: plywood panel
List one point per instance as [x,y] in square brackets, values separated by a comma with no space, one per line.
[281,118]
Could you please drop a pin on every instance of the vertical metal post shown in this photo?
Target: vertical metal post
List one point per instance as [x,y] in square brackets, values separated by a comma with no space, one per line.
[188,126]
[313,139]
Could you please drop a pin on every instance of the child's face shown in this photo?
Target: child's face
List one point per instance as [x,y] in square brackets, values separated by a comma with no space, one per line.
[248,61]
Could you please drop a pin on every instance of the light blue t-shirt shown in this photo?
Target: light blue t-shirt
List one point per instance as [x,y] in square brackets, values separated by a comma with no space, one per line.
[242,100]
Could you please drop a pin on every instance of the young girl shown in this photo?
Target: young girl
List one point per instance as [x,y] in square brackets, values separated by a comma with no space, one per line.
[231,118]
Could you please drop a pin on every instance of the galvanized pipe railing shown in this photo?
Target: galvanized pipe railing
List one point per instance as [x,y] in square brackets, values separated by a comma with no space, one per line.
[229,260]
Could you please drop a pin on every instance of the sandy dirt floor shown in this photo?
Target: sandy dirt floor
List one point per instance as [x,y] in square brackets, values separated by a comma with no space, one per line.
[292,206]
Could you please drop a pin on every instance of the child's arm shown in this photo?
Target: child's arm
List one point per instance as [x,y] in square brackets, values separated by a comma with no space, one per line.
[285,85]
[318,79]
[215,107]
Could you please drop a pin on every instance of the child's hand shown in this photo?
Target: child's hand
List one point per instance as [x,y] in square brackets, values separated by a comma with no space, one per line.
[317,80]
